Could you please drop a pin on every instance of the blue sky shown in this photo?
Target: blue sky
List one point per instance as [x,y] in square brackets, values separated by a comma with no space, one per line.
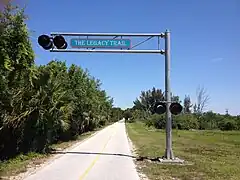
[205,45]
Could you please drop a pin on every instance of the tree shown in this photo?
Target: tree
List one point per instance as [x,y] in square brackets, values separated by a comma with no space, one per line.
[117,113]
[187,104]
[195,108]
[16,74]
[127,115]
[202,99]
[174,98]
[40,105]
[148,98]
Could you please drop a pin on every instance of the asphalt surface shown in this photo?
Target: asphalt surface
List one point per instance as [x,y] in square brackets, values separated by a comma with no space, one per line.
[104,156]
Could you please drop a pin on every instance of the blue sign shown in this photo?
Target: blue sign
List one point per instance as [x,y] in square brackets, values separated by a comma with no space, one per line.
[101,43]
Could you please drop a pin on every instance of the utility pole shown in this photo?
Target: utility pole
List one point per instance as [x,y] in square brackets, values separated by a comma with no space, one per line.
[227,112]
[168,150]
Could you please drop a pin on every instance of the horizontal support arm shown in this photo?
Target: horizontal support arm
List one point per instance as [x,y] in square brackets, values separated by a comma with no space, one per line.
[108,34]
[108,51]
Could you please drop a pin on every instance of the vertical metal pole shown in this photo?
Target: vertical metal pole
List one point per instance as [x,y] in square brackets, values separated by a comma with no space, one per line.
[168,150]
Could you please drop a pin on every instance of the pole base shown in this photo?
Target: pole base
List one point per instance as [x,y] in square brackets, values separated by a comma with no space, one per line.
[168,154]
[172,161]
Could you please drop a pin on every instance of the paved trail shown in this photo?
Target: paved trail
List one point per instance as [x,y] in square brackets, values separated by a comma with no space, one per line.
[105,156]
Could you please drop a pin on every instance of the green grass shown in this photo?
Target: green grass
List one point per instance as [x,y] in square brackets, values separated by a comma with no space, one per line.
[20,163]
[214,155]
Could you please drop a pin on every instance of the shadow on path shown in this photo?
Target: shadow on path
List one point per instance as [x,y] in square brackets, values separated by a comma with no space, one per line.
[139,158]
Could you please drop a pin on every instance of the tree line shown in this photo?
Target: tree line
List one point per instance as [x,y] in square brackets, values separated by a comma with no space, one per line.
[193,116]
[41,105]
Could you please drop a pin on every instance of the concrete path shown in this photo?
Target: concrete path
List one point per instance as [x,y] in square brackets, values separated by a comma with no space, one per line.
[105,156]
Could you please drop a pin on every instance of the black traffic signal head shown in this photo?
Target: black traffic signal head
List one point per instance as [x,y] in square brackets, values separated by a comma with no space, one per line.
[175,108]
[160,108]
[45,42]
[60,42]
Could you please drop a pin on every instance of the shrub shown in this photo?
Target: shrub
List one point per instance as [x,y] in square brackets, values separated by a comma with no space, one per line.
[158,121]
[186,122]
[127,115]
[228,124]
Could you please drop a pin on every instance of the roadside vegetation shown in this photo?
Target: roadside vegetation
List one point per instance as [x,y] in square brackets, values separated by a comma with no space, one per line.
[209,142]
[193,116]
[43,105]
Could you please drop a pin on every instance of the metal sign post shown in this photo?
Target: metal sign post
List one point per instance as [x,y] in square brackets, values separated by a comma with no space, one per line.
[114,45]
[168,151]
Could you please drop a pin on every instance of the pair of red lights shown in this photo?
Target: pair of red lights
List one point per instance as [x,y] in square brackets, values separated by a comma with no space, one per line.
[175,108]
[48,43]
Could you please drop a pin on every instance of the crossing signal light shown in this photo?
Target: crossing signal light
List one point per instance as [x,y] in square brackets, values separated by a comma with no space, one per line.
[160,108]
[48,42]
[60,42]
[175,108]
[45,42]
